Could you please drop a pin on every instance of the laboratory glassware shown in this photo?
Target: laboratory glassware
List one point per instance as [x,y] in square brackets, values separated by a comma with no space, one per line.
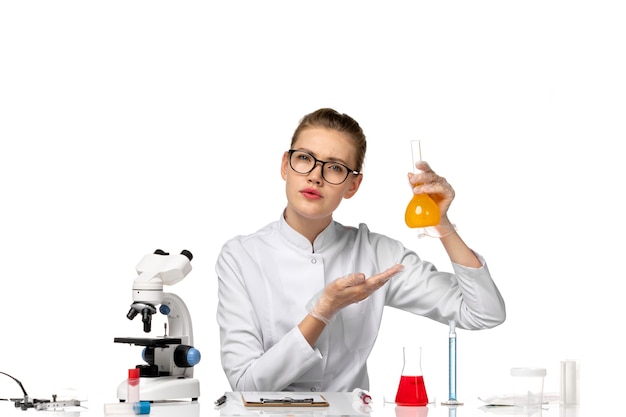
[569,390]
[528,386]
[127,409]
[133,393]
[452,400]
[411,389]
[421,211]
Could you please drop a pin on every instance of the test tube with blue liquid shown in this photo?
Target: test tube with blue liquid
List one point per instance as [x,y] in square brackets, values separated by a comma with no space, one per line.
[452,400]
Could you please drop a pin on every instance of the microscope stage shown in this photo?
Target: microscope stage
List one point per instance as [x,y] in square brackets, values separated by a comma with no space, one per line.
[144,341]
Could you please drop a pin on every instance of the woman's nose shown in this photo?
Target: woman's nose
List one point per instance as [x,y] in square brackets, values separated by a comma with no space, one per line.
[316,174]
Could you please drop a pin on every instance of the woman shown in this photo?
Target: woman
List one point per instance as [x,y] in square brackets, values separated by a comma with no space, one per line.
[301,300]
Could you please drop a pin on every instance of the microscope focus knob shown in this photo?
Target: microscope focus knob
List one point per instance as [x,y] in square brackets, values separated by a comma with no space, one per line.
[186,356]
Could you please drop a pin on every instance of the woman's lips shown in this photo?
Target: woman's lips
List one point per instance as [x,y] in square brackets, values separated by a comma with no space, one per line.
[311,193]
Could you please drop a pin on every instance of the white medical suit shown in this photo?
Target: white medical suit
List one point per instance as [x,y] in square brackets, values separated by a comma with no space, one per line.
[267,278]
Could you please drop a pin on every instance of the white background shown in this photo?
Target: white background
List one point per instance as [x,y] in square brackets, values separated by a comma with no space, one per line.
[128,126]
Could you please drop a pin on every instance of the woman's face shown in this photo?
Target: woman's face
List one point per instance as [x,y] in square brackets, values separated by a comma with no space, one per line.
[309,196]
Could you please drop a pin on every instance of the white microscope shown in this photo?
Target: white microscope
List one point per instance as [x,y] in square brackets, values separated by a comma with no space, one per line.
[168,372]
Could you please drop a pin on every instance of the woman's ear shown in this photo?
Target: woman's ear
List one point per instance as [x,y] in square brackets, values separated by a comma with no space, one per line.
[284,166]
[354,186]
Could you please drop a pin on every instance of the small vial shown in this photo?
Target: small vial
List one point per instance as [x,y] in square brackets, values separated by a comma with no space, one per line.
[570,383]
[362,396]
[132,393]
[128,409]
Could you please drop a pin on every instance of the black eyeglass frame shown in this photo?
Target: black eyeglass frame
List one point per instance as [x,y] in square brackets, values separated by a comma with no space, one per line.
[350,170]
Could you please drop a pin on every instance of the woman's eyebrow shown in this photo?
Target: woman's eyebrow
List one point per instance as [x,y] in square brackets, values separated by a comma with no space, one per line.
[331,159]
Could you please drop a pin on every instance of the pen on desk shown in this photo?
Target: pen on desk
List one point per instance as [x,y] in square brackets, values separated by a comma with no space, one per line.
[221,400]
[286,400]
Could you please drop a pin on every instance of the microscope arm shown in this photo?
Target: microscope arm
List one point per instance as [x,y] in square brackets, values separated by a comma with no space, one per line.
[178,317]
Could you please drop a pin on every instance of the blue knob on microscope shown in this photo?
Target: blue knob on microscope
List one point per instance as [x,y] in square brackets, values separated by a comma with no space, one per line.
[186,356]
[193,356]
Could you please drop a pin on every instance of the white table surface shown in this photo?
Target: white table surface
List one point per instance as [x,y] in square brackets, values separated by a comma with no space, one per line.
[341,404]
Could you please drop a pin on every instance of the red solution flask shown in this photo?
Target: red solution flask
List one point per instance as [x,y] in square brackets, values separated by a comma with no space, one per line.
[412,390]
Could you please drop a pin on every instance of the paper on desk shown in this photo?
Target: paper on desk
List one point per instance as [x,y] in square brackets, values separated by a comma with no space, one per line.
[509,399]
[503,399]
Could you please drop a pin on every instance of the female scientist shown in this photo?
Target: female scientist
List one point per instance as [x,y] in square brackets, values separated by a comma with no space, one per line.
[301,300]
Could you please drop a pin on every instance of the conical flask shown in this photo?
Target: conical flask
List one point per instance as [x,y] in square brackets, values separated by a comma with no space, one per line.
[412,390]
[421,211]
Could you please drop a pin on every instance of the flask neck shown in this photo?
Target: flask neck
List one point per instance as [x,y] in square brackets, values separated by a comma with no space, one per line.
[412,361]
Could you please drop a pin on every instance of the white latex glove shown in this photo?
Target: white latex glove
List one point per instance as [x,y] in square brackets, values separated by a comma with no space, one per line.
[347,290]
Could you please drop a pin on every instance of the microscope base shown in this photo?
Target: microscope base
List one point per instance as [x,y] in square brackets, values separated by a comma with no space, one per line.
[163,388]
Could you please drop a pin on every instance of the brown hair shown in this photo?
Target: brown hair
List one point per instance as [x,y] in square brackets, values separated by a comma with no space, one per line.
[331,119]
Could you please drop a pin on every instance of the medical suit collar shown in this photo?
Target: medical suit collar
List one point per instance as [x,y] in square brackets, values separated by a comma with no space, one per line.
[323,240]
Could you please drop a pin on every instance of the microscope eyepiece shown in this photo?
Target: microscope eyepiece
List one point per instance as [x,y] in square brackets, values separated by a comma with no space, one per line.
[183,252]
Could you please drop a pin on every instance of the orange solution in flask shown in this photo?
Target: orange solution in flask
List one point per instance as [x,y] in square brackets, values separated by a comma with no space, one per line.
[412,390]
[421,211]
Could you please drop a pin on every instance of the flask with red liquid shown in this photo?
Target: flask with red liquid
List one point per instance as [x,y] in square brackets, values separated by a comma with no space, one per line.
[412,390]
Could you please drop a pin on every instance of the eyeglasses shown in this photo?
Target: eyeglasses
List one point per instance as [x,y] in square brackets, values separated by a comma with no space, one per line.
[333,172]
